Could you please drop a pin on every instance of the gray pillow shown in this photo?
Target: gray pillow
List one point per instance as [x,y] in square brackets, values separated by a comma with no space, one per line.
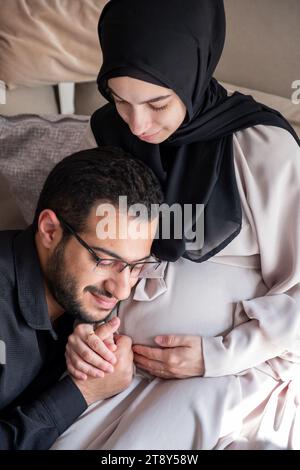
[30,146]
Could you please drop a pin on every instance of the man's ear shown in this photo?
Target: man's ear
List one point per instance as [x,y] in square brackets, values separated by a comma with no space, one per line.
[49,229]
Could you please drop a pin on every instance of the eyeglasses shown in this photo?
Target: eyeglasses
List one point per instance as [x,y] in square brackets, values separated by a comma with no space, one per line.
[104,265]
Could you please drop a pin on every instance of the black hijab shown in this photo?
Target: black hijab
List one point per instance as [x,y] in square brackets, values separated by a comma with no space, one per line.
[177,44]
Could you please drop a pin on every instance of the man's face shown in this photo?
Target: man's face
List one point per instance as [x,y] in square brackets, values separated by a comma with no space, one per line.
[91,293]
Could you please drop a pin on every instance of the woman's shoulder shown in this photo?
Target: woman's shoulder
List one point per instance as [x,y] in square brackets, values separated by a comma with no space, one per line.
[266,150]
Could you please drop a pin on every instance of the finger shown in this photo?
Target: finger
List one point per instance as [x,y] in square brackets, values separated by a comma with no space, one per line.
[110,341]
[84,333]
[80,366]
[173,341]
[108,329]
[88,357]
[162,374]
[99,347]
[157,354]
[123,341]
[91,343]
[110,344]
[75,373]
[83,329]
[148,364]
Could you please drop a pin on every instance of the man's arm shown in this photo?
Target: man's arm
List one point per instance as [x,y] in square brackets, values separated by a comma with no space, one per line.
[36,425]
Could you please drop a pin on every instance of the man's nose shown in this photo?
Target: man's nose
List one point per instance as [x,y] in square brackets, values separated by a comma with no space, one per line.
[120,284]
[139,121]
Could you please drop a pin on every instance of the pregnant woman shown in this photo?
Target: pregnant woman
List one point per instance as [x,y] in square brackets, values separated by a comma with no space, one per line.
[216,328]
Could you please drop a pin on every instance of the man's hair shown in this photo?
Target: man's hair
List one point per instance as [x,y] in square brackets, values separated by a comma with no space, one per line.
[88,177]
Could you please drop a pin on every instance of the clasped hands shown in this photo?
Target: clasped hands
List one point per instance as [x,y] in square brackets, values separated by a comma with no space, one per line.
[93,353]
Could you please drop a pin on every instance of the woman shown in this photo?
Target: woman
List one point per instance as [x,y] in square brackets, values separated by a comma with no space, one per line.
[227,314]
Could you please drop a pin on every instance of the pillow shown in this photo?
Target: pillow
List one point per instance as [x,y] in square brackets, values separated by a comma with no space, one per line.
[47,42]
[285,106]
[30,146]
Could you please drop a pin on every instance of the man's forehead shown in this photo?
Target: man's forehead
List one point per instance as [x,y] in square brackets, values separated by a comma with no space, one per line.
[128,240]
[121,225]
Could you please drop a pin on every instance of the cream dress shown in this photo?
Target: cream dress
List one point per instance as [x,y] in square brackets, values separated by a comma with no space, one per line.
[244,303]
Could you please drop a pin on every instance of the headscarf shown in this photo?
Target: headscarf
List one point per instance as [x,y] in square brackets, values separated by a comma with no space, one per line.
[178,45]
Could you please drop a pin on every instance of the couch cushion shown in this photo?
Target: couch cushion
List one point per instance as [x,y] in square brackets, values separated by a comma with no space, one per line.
[30,146]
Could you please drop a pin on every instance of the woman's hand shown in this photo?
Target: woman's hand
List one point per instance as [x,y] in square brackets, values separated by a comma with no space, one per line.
[178,357]
[91,353]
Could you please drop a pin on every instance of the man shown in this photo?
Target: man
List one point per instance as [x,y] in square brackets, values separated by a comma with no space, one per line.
[58,270]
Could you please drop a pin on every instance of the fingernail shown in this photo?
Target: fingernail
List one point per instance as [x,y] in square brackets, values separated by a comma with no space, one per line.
[114,321]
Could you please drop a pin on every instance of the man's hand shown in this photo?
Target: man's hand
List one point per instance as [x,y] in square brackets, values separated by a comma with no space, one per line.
[99,389]
[91,353]
[178,357]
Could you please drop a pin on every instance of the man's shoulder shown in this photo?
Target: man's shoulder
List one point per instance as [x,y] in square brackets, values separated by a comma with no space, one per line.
[6,240]
[7,253]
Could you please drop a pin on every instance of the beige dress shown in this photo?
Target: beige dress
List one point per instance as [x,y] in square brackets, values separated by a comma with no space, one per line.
[245,304]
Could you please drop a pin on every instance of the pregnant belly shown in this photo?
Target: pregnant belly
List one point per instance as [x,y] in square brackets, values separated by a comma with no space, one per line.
[194,299]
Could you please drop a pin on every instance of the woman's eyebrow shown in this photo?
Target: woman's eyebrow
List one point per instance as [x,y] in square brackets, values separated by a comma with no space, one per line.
[152,100]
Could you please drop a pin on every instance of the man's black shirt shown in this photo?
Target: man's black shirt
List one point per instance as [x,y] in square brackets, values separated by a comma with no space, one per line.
[35,406]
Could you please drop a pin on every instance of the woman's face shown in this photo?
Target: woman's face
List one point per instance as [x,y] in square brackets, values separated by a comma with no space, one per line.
[153,113]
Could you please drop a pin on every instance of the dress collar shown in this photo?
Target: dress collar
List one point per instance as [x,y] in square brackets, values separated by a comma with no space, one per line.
[152,285]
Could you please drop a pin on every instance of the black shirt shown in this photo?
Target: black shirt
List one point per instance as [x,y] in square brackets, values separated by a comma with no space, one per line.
[35,406]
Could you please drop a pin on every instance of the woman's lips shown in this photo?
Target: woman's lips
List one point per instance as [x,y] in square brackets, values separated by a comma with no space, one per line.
[148,137]
[103,302]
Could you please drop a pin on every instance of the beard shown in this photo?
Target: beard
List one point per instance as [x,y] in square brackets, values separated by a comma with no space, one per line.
[64,287]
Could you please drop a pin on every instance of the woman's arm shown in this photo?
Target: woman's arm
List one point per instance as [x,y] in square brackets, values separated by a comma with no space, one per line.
[272,187]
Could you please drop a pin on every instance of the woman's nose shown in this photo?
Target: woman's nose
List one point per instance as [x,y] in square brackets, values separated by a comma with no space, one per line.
[139,122]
